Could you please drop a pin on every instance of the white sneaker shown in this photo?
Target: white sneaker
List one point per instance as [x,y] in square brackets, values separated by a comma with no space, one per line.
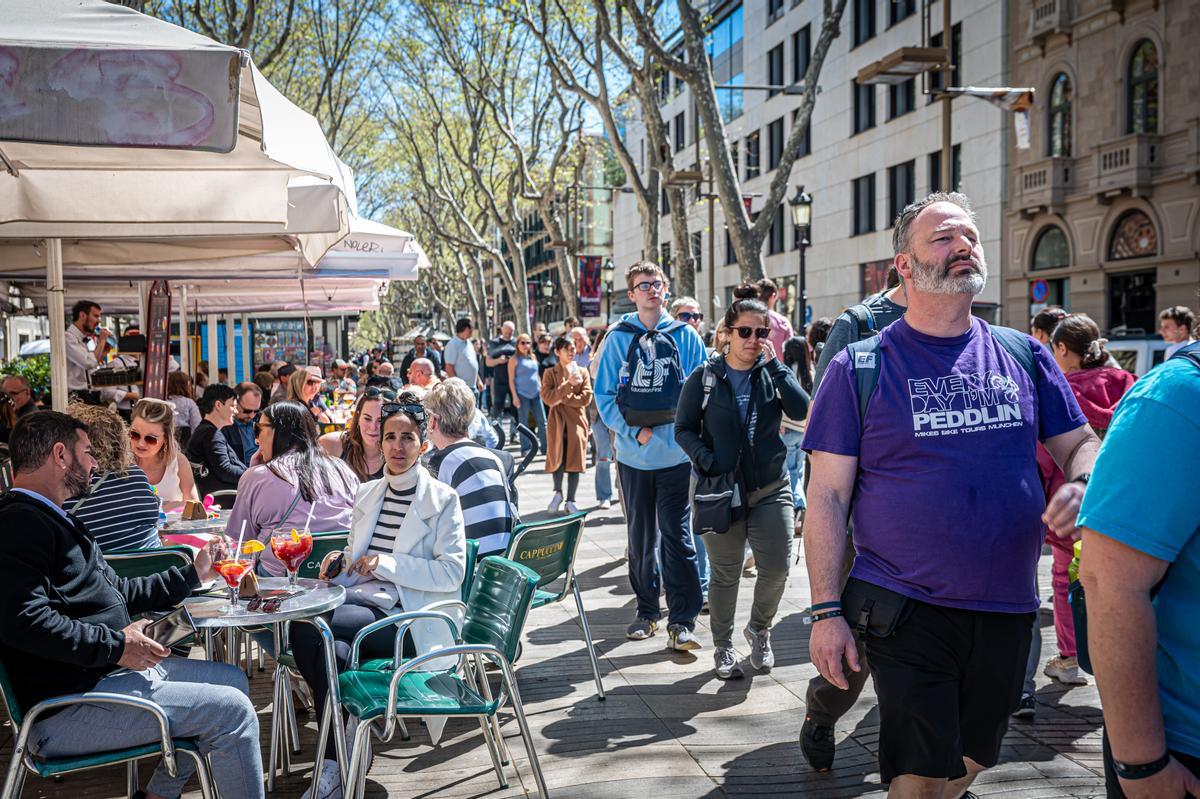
[572,507]
[605,504]
[555,501]
[1065,670]
[329,786]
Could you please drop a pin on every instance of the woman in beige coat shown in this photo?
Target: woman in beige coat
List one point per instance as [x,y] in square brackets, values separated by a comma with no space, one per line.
[567,392]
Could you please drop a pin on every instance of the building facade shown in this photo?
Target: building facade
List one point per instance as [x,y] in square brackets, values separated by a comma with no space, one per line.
[871,148]
[1105,211]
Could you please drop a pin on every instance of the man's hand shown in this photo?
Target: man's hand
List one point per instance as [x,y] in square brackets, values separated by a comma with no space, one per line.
[644,435]
[211,552]
[829,642]
[140,652]
[1063,510]
[1173,782]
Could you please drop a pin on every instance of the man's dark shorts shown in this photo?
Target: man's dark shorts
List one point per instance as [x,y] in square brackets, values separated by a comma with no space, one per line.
[947,681]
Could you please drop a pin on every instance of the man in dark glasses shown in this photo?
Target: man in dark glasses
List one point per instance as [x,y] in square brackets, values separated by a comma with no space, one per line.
[240,434]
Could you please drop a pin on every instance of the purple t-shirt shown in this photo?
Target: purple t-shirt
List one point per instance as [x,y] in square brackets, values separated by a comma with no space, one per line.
[947,506]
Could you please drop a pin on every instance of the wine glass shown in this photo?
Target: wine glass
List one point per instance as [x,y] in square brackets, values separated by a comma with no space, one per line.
[292,548]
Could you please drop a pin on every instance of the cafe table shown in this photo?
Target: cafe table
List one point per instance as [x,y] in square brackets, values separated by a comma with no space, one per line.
[194,533]
[319,597]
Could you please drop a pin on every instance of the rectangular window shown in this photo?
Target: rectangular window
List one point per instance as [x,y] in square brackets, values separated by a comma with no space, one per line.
[806,142]
[801,45]
[665,257]
[899,10]
[774,10]
[697,247]
[936,81]
[902,188]
[774,144]
[902,98]
[752,163]
[775,239]
[864,21]
[864,106]
[935,169]
[775,69]
[724,44]
[664,87]
[680,132]
[666,202]
[863,190]
[730,255]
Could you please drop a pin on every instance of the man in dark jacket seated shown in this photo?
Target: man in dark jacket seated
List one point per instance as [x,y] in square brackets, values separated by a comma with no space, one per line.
[65,628]
[209,447]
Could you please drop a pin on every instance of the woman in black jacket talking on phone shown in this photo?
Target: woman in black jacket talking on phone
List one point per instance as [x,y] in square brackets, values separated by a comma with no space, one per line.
[728,423]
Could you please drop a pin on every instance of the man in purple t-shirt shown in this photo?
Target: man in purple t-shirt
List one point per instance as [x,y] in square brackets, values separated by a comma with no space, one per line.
[948,510]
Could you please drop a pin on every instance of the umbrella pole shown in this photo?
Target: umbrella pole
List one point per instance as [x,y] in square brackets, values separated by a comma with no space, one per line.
[247,363]
[185,341]
[231,360]
[58,324]
[212,349]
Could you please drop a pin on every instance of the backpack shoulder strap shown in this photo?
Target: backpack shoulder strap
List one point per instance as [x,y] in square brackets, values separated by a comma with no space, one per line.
[1018,346]
[863,319]
[866,361]
[626,327]
[709,380]
[1188,353]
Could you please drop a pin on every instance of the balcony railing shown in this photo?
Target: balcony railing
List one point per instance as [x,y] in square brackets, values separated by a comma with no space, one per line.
[1125,166]
[1043,185]
[1048,17]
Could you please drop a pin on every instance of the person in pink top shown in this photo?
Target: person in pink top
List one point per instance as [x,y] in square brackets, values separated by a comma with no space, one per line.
[290,474]
[1079,352]
[781,328]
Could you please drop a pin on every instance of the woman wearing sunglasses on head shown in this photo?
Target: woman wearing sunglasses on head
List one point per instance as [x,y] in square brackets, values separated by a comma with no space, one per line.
[406,550]
[157,452]
[292,478]
[358,445]
[728,424]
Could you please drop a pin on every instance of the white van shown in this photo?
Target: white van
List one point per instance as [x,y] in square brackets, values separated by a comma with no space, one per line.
[1137,355]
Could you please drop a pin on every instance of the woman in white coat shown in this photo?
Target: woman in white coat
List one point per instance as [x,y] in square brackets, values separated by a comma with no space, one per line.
[406,550]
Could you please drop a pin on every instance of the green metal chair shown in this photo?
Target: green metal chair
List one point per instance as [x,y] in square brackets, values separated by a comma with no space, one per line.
[549,548]
[498,605]
[143,562]
[24,763]
[323,544]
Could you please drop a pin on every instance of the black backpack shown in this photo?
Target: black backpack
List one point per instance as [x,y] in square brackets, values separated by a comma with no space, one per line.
[651,377]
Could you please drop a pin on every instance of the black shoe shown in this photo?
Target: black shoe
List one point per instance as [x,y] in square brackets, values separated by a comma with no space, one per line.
[816,742]
[1026,709]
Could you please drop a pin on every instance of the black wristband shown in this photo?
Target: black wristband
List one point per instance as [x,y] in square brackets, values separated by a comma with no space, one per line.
[1140,771]
[828,614]
[835,605]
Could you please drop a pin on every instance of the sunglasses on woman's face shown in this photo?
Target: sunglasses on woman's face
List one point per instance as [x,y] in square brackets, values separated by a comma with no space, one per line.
[149,438]
[313,381]
[757,332]
[687,316]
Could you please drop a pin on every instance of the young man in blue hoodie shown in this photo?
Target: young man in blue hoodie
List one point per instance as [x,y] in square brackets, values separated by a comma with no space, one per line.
[654,471]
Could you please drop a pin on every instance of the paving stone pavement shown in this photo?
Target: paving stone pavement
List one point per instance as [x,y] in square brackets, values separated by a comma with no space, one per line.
[669,729]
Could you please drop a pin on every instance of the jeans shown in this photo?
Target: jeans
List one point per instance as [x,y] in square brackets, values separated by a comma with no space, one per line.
[604,456]
[500,394]
[767,527]
[205,701]
[532,406]
[658,514]
[702,566]
[795,466]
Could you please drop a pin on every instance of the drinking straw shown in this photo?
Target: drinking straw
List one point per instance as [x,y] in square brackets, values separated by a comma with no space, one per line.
[237,552]
[312,507]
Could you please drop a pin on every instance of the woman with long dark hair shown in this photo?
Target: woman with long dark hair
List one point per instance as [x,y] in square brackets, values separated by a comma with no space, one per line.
[728,421]
[796,358]
[295,476]
[358,445]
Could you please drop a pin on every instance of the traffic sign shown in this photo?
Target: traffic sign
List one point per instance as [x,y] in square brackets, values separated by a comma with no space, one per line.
[1039,290]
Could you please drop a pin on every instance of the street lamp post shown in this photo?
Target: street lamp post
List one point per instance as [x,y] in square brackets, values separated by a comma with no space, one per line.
[801,206]
[607,273]
[548,296]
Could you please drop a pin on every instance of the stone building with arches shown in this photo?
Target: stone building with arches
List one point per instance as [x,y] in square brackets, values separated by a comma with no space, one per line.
[1103,209]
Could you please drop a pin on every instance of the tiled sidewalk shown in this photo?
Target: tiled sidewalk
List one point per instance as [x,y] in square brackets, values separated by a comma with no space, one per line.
[669,728]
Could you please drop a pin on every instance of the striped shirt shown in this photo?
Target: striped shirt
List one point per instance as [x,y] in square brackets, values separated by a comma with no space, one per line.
[396,503]
[122,514]
[477,475]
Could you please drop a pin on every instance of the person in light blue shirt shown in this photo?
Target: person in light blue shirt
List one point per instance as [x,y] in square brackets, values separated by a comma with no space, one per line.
[1140,571]
[654,472]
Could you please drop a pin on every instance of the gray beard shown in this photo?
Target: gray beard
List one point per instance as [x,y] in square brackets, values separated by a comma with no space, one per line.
[932,278]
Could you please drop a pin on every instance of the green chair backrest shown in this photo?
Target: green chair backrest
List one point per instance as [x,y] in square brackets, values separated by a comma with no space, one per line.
[469,574]
[10,700]
[501,594]
[548,547]
[323,544]
[143,562]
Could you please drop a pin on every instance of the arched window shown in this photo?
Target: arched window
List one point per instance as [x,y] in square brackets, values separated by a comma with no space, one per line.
[1143,88]
[1133,236]
[1059,137]
[1051,250]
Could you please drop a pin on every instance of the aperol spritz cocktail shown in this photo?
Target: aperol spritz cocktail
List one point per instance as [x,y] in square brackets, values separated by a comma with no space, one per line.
[292,548]
[232,570]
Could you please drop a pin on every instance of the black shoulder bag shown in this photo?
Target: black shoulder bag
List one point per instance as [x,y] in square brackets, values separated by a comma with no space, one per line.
[713,508]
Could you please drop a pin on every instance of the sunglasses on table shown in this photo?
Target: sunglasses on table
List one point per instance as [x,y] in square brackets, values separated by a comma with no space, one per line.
[266,606]
[646,285]
[687,316]
[149,438]
[757,332]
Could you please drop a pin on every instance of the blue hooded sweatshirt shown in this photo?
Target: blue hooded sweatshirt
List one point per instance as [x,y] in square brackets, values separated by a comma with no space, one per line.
[662,451]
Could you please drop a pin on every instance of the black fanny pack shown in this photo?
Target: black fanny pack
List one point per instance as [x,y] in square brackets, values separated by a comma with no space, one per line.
[713,508]
[872,610]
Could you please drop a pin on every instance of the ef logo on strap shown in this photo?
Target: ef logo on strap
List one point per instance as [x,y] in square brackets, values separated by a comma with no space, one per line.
[864,360]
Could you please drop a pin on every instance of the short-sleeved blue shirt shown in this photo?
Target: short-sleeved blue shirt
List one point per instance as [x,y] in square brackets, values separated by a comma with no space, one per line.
[1144,492]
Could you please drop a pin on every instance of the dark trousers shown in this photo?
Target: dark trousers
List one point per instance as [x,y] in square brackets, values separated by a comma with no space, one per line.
[1112,784]
[344,622]
[658,515]
[826,702]
[502,404]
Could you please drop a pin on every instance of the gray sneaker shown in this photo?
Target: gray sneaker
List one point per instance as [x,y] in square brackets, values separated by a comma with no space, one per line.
[726,664]
[681,638]
[761,656]
[641,629]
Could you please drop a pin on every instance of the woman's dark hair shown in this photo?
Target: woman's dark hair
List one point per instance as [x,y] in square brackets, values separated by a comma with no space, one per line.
[795,353]
[561,343]
[1047,319]
[217,392]
[354,448]
[818,331]
[294,450]
[745,301]
[1081,336]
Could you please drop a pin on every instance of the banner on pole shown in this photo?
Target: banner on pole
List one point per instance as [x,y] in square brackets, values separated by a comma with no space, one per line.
[589,284]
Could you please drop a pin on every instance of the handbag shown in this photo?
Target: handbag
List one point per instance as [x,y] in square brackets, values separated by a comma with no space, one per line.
[717,500]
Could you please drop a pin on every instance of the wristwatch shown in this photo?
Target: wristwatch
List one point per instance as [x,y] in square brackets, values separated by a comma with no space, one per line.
[1140,771]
